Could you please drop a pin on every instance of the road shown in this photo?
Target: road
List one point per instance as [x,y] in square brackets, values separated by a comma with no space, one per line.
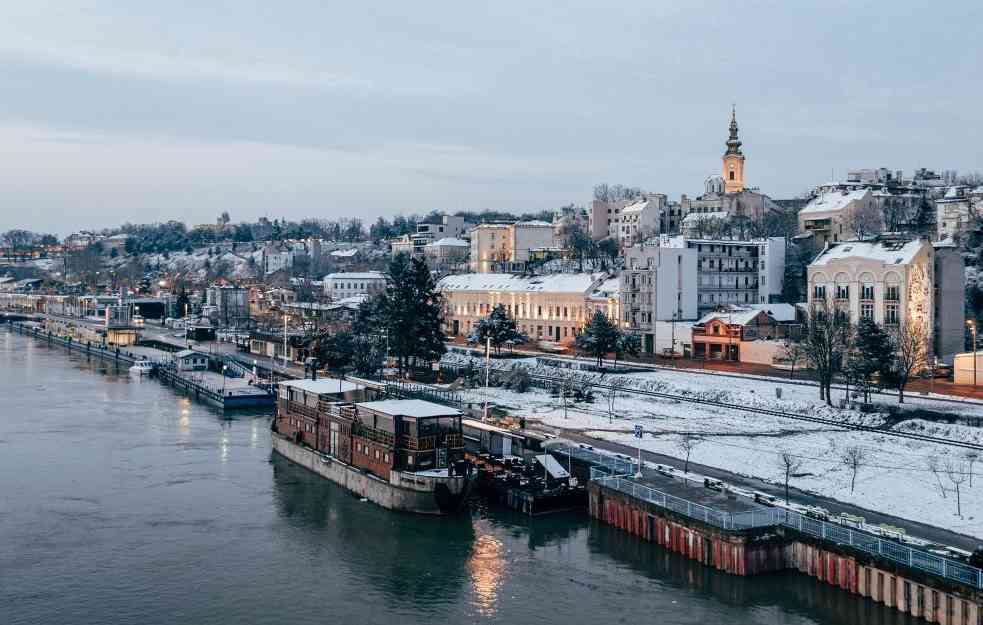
[921,530]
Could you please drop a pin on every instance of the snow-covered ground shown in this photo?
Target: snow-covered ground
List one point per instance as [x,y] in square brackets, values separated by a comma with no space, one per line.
[895,477]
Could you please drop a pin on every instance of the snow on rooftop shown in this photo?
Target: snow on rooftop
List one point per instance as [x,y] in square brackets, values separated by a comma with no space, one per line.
[694,218]
[323,386]
[833,201]
[409,408]
[355,275]
[553,283]
[344,253]
[450,242]
[888,252]
[741,316]
[608,288]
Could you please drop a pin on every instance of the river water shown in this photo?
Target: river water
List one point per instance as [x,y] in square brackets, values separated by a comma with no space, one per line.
[122,502]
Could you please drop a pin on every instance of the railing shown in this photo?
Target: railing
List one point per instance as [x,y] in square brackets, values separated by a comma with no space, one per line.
[847,537]
[717,518]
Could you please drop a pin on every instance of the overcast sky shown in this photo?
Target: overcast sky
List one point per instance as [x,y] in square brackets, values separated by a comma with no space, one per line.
[112,111]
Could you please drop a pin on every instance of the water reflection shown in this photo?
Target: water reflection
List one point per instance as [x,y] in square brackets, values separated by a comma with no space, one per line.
[412,561]
[487,568]
[786,592]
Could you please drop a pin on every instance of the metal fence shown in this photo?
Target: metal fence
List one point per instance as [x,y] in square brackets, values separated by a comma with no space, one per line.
[609,464]
[613,472]
[717,518]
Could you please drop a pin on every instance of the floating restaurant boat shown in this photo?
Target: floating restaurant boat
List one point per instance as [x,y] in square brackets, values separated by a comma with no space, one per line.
[402,454]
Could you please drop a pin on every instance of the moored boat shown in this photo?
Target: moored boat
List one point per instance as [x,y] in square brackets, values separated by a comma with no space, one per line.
[142,367]
[400,454]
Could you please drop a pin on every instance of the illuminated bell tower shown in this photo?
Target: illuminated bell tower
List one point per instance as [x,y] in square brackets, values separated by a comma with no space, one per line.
[733,159]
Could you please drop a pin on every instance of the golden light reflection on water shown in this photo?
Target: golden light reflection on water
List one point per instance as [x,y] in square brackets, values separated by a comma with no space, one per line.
[224,446]
[487,568]
[184,420]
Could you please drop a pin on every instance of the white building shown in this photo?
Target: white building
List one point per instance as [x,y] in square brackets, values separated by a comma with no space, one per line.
[505,247]
[831,216]
[447,253]
[957,210]
[658,284]
[640,220]
[735,272]
[449,226]
[553,307]
[893,281]
[339,286]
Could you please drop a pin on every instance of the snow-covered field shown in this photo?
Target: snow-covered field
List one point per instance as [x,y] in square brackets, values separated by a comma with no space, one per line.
[895,477]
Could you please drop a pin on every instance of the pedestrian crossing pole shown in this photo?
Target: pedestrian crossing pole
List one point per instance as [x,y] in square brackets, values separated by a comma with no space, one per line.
[638,435]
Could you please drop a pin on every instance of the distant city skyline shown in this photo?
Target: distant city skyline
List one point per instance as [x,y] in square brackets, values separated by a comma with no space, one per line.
[113,114]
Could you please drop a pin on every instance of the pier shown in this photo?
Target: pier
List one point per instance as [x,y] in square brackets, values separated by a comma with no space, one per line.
[731,533]
[217,389]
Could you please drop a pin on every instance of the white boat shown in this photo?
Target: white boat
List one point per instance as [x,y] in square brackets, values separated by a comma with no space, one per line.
[143,367]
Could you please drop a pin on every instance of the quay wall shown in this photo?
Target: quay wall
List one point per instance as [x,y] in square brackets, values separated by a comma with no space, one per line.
[748,552]
[362,484]
[769,550]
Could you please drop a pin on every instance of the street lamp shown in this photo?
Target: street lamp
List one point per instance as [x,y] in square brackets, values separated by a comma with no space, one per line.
[972,328]
[223,380]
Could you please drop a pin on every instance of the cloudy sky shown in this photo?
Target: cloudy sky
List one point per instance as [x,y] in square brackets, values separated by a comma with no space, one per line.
[147,111]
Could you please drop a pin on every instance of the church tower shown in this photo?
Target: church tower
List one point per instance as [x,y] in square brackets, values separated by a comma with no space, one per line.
[733,159]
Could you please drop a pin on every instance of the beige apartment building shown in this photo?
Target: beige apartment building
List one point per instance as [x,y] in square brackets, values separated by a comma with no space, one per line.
[505,246]
[551,308]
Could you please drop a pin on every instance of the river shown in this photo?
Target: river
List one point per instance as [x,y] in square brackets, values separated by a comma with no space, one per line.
[122,502]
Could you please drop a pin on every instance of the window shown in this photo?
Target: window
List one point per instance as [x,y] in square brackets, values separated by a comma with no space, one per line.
[842,291]
[891,314]
[867,310]
[867,291]
[731,175]
[892,293]
[819,292]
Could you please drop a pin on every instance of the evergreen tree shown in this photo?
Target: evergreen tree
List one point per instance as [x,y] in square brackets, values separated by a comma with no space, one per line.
[499,327]
[411,313]
[626,343]
[872,354]
[599,338]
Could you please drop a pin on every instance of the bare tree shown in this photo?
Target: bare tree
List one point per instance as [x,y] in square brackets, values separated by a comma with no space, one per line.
[866,220]
[971,458]
[854,458]
[911,355]
[826,338]
[956,472]
[795,353]
[615,385]
[790,465]
[933,466]
[687,443]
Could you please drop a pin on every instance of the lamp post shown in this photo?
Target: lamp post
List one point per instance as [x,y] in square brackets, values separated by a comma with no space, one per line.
[972,328]
[223,380]
[285,317]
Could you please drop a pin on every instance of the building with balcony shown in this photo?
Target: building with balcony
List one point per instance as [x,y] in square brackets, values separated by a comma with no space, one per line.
[640,220]
[657,284]
[504,247]
[831,216]
[552,307]
[735,272]
[736,334]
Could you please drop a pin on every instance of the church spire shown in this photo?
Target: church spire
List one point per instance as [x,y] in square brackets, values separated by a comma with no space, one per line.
[733,143]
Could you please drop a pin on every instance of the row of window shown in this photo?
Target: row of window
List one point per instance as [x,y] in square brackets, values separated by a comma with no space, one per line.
[520,310]
[892,292]
[368,452]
